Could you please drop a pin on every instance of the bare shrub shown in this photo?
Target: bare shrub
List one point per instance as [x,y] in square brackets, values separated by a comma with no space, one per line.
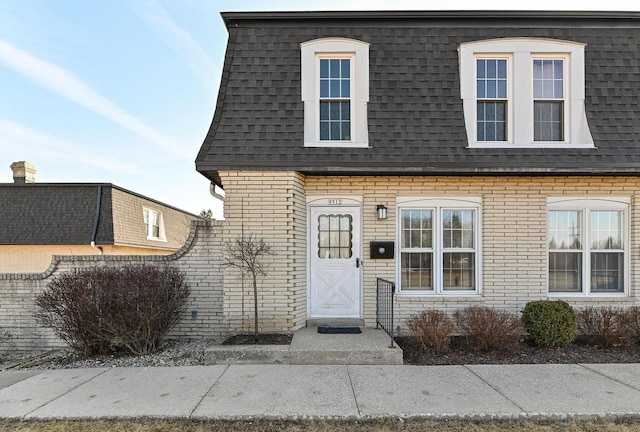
[432,329]
[99,309]
[607,326]
[632,324]
[488,329]
[6,343]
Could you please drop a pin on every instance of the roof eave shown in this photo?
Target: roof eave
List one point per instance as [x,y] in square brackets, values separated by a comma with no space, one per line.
[230,17]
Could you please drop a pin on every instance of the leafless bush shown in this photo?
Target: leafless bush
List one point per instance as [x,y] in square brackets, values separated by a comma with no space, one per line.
[488,329]
[6,343]
[632,323]
[608,326]
[96,310]
[433,329]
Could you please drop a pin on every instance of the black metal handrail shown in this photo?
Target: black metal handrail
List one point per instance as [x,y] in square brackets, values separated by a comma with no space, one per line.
[385,291]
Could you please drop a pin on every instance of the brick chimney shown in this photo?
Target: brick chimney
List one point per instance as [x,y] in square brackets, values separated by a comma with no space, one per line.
[23,172]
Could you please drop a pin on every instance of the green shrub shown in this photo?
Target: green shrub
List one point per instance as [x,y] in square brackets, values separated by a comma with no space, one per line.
[488,329]
[550,323]
[98,309]
[432,329]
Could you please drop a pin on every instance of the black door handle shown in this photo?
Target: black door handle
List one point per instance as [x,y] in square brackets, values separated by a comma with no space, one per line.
[357,262]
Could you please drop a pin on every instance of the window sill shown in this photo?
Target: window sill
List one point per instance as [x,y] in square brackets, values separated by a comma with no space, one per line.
[467,294]
[505,144]
[582,296]
[157,239]
[340,144]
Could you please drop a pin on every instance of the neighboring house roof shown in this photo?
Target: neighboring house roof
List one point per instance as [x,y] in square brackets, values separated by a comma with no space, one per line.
[415,112]
[63,213]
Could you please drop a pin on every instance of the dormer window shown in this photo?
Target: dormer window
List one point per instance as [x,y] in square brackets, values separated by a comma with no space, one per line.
[153,224]
[335,99]
[492,108]
[548,100]
[524,92]
[335,92]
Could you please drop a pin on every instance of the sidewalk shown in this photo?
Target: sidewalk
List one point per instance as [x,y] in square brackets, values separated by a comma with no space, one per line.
[332,391]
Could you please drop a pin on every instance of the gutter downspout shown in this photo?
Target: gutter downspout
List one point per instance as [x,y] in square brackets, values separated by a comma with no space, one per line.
[97,220]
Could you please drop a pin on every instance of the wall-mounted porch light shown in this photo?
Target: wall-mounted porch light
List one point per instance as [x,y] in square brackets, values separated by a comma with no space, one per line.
[382,212]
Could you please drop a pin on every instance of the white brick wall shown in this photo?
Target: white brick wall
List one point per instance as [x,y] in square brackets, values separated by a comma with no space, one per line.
[200,259]
[514,254]
[272,205]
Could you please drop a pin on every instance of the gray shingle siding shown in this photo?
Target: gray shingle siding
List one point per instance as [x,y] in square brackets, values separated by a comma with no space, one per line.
[415,116]
[34,214]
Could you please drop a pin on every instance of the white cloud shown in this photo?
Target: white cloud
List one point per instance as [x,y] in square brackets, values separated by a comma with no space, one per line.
[17,139]
[65,84]
[181,42]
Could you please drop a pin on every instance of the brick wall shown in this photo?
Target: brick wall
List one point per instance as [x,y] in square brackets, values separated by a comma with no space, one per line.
[37,258]
[272,206]
[200,259]
[514,253]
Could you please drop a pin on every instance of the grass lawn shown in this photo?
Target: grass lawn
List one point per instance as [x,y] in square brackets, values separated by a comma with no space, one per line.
[385,425]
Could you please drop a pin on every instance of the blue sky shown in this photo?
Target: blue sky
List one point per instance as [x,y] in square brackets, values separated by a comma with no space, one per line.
[123,91]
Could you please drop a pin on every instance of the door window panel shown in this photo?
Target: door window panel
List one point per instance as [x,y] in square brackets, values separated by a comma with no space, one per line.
[335,236]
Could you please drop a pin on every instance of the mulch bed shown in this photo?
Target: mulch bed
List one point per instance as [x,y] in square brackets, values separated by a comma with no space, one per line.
[263,339]
[522,353]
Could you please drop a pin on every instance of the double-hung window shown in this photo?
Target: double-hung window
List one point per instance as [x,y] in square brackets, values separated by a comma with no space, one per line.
[492,107]
[153,224]
[524,92]
[548,99]
[335,92]
[335,98]
[438,243]
[588,247]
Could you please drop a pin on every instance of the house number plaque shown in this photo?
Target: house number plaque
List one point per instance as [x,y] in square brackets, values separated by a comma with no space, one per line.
[335,202]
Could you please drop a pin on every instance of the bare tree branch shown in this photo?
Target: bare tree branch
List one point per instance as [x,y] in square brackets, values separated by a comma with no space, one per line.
[247,254]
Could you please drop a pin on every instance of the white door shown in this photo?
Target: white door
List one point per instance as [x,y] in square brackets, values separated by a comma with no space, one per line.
[335,287]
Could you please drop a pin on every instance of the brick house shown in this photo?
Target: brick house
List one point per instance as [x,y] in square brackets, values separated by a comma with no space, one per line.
[494,156]
[40,220]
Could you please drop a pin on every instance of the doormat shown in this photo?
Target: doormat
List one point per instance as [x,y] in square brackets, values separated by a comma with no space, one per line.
[339,330]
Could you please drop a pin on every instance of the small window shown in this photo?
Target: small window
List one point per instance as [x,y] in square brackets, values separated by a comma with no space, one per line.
[335,99]
[548,100]
[587,247]
[153,224]
[335,236]
[491,89]
[335,92]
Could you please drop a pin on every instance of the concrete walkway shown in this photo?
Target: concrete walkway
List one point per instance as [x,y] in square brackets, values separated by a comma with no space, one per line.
[372,346]
[324,391]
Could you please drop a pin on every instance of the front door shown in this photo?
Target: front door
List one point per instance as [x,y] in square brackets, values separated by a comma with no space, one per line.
[335,286]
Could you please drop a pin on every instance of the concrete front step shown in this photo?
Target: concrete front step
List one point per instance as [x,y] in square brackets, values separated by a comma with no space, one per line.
[371,347]
[335,322]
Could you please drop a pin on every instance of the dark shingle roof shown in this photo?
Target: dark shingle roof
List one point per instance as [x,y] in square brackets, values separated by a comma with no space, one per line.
[47,214]
[415,116]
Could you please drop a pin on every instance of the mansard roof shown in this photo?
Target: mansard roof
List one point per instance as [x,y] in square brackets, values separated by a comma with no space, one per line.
[415,112]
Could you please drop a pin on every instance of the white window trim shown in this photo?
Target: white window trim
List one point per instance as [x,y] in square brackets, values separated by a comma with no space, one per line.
[509,111]
[523,51]
[587,205]
[437,204]
[565,93]
[311,52]
[161,232]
